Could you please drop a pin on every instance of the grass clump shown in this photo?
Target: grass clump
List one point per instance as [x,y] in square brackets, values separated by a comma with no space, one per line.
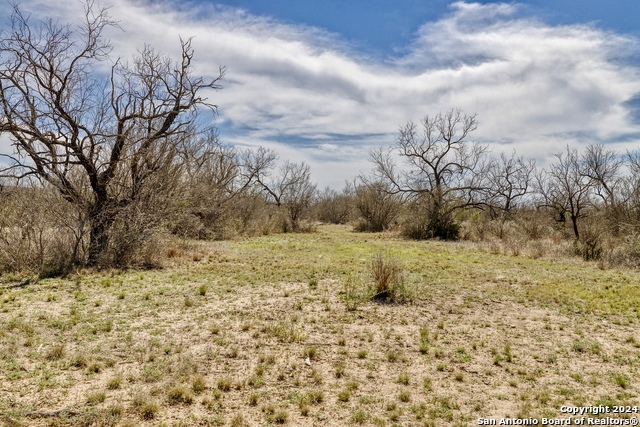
[389,281]
[145,406]
[180,394]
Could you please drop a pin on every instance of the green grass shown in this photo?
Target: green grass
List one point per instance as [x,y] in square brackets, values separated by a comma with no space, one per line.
[282,330]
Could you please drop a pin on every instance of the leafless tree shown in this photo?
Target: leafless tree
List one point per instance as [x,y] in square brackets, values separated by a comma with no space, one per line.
[444,168]
[102,142]
[629,191]
[603,167]
[508,181]
[213,180]
[290,189]
[566,188]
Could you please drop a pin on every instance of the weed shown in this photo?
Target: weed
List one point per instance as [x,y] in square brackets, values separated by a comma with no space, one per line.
[344,396]
[93,398]
[403,378]
[404,396]
[56,352]
[389,282]
[621,380]
[359,417]
[114,383]
[202,289]
[224,384]
[145,406]
[179,394]
[238,421]
[198,384]
[353,293]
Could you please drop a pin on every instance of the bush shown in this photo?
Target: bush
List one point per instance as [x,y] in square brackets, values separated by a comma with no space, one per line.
[376,207]
[39,232]
[389,284]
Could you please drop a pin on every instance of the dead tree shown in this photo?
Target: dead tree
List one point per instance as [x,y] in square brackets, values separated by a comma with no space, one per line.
[102,142]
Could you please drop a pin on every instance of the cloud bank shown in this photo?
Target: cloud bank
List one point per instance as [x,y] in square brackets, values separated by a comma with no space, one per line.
[313,97]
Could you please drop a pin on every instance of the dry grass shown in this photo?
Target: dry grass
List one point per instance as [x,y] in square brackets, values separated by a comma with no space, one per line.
[270,338]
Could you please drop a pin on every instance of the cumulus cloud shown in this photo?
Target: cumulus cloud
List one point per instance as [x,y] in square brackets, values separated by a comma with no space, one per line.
[309,94]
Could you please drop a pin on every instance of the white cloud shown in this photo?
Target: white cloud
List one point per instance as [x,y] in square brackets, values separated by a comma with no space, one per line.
[535,87]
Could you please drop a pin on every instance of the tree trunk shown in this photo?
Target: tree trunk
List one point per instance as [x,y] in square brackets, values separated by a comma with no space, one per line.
[100,220]
[574,222]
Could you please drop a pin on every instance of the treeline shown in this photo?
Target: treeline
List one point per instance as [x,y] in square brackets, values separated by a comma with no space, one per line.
[429,185]
[109,160]
[436,183]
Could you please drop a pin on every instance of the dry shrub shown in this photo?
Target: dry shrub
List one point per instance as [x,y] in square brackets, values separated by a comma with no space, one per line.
[333,207]
[626,252]
[532,224]
[39,232]
[389,281]
[376,207]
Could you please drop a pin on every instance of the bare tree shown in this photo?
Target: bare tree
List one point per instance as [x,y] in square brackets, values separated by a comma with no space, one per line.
[101,142]
[603,168]
[508,181]
[291,189]
[444,169]
[629,191]
[566,188]
[213,180]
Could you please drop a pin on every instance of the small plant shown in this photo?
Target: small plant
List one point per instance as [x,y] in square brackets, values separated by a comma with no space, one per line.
[621,380]
[315,397]
[202,290]
[238,421]
[198,385]
[114,383]
[224,384]
[403,378]
[339,373]
[389,283]
[352,292]
[359,417]
[145,406]
[253,399]
[344,396]
[311,352]
[404,396]
[56,352]
[362,354]
[94,398]
[179,394]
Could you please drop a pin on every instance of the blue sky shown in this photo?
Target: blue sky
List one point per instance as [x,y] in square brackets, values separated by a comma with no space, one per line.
[327,81]
[383,27]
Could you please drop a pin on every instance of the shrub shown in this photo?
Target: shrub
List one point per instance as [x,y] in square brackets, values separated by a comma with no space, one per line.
[376,207]
[389,284]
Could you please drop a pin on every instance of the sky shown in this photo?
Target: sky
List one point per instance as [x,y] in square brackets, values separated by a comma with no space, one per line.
[325,82]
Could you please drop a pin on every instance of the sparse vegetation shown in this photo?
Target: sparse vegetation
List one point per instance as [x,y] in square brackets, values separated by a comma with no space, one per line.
[159,359]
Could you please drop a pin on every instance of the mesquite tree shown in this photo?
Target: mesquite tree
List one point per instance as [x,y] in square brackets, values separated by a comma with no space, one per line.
[444,170]
[101,132]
